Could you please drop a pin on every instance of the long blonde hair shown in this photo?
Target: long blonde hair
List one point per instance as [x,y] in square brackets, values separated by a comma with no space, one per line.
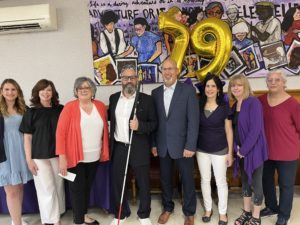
[20,105]
[244,81]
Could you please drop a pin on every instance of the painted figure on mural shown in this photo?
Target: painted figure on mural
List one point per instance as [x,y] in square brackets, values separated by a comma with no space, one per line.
[111,39]
[147,44]
[214,9]
[291,25]
[196,15]
[240,32]
[268,29]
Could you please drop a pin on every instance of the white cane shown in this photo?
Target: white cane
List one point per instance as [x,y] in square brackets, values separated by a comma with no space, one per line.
[128,153]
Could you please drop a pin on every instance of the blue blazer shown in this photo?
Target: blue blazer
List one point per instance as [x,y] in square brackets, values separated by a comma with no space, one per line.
[178,130]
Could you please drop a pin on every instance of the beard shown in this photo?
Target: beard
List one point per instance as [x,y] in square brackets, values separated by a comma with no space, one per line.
[129,88]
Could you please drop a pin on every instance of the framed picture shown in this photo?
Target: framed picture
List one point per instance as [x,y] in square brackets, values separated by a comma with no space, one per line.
[250,59]
[274,55]
[125,61]
[293,58]
[190,65]
[147,73]
[105,70]
[235,64]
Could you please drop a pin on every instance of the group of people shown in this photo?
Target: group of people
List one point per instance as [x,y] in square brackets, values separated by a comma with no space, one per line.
[257,135]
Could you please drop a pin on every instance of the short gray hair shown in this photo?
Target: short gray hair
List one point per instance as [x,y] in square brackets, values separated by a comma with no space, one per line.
[128,67]
[79,81]
[279,72]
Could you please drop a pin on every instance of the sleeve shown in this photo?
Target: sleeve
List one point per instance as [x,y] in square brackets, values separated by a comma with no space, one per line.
[255,123]
[62,130]
[192,120]
[296,118]
[26,125]
[150,124]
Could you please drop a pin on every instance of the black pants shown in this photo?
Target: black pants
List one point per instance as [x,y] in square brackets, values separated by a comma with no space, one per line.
[255,187]
[186,170]
[142,177]
[286,178]
[80,189]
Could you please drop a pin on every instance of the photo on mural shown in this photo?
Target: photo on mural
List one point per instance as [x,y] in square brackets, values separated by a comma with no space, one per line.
[265,36]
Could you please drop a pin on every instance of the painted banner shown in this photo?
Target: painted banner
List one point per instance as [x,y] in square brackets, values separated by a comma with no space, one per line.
[265,36]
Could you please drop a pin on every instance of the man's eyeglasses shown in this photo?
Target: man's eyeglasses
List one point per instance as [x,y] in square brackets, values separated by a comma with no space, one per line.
[127,78]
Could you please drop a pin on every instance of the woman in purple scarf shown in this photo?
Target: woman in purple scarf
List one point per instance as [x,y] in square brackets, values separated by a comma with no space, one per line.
[250,146]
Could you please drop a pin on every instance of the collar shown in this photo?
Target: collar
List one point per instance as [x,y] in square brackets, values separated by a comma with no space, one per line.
[172,87]
[130,97]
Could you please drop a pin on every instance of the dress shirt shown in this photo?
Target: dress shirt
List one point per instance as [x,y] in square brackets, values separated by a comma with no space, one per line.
[123,111]
[168,94]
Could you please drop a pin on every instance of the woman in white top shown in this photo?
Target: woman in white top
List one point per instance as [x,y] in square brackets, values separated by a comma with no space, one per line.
[81,142]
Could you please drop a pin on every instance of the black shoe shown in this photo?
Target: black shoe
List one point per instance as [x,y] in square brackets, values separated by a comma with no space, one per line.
[281,221]
[206,219]
[267,212]
[95,222]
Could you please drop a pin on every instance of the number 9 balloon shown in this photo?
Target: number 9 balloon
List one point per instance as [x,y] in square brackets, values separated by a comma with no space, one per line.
[218,48]
[179,32]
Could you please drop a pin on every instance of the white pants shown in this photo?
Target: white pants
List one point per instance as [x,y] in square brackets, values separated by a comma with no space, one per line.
[50,190]
[218,162]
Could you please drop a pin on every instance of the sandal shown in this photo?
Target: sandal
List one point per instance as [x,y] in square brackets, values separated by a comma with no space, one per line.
[244,218]
[253,221]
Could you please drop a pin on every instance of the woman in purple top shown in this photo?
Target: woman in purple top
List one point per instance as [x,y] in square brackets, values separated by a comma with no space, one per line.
[215,143]
[250,146]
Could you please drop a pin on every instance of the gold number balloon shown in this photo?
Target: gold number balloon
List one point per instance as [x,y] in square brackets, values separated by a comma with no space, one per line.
[212,39]
[179,32]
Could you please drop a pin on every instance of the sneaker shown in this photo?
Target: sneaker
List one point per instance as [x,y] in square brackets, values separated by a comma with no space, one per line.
[267,212]
[282,221]
[23,222]
[145,221]
[115,221]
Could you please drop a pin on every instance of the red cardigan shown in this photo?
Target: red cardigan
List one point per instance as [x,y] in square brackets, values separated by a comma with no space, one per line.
[68,133]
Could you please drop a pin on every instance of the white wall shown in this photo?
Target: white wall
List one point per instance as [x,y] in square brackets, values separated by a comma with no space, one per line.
[63,55]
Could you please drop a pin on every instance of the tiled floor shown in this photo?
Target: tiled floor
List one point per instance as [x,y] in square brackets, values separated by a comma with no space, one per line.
[234,210]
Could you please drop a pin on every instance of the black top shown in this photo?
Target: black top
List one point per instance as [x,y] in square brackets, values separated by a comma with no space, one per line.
[212,136]
[41,123]
[235,128]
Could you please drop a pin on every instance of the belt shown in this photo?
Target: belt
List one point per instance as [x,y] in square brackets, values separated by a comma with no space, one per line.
[122,143]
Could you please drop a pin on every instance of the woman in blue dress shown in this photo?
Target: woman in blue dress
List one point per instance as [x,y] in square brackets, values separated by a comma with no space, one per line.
[13,170]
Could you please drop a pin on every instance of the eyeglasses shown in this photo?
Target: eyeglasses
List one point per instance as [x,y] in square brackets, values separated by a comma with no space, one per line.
[270,81]
[83,88]
[127,78]
[166,69]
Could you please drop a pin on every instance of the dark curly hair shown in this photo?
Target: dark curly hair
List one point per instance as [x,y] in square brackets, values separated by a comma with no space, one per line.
[143,22]
[41,85]
[109,16]
[288,18]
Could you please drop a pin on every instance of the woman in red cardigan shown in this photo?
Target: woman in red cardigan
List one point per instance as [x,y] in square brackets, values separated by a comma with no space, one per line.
[81,142]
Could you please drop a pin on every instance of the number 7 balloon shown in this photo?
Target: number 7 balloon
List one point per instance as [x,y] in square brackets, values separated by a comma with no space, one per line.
[179,32]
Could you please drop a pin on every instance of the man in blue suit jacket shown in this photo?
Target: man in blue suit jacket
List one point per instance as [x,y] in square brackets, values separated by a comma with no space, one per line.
[176,139]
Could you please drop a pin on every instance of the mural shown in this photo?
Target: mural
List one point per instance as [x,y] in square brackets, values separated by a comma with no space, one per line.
[265,36]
